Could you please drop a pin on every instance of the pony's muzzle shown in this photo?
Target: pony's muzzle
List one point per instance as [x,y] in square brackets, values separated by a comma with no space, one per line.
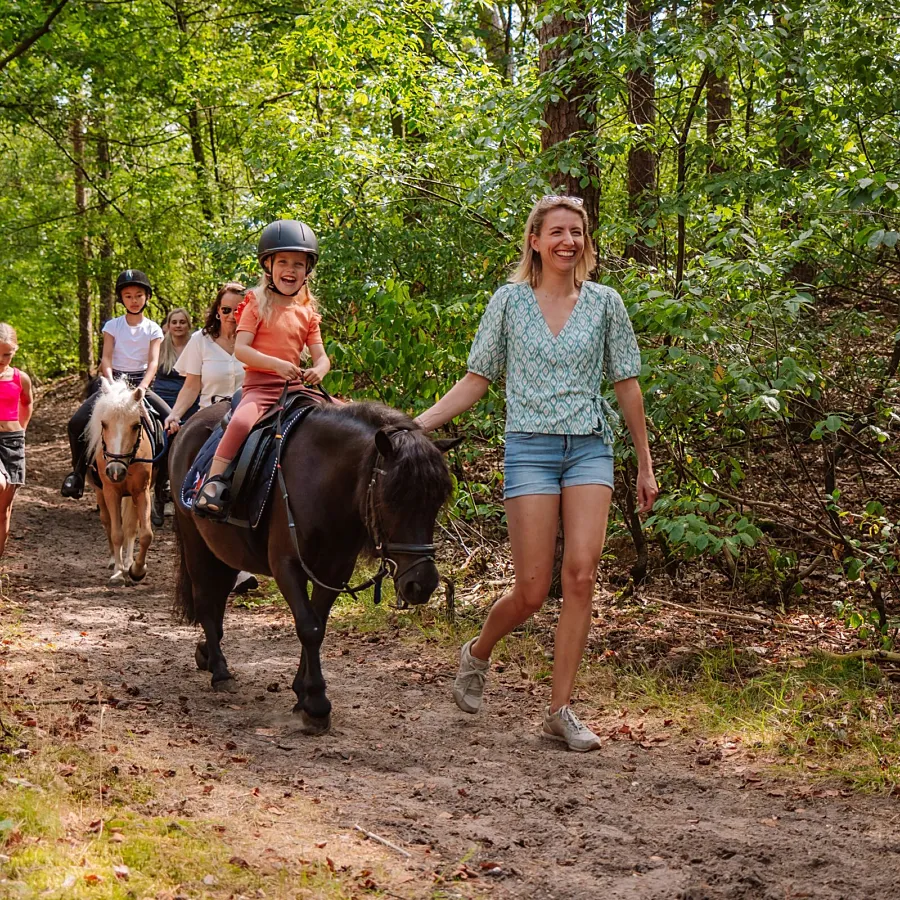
[116,472]
[416,587]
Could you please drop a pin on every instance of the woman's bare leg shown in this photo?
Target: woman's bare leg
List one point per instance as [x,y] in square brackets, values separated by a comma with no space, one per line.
[532,522]
[585,511]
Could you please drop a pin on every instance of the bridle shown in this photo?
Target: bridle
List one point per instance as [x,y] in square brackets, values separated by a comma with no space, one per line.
[385,549]
[131,457]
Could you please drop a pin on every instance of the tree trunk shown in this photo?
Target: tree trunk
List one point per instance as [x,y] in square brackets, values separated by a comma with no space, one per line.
[494,31]
[105,280]
[193,118]
[641,82]
[82,255]
[569,117]
[718,101]
[794,148]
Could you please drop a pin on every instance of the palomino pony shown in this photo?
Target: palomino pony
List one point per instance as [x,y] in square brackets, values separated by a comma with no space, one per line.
[122,448]
[357,477]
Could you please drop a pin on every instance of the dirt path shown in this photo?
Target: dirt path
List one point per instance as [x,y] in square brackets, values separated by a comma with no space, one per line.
[664,819]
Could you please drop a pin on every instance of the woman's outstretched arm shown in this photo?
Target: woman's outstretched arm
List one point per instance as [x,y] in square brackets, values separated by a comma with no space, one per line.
[462,396]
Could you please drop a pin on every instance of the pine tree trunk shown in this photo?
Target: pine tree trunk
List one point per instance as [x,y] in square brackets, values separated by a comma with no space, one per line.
[82,255]
[641,82]
[569,118]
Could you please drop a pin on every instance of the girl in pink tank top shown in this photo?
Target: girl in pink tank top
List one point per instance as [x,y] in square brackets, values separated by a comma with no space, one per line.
[15,413]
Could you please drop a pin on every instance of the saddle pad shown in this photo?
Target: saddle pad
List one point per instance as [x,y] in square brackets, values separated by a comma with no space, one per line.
[253,469]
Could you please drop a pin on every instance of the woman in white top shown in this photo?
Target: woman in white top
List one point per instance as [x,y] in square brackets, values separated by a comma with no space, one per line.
[212,373]
[210,370]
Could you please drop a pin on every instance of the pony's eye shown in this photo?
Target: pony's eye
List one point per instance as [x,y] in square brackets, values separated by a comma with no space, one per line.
[136,426]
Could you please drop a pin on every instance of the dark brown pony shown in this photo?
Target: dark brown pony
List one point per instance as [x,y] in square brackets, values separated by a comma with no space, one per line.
[353,474]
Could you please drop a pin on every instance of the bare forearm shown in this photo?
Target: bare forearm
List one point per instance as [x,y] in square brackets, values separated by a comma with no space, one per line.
[462,396]
[253,358]
[186,397]
[26,408]
[631,402]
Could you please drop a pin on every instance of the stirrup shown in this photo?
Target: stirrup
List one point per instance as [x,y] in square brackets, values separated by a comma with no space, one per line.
[214,498]
[73,486]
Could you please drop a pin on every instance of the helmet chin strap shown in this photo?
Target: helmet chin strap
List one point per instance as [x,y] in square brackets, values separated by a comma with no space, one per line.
[270,284]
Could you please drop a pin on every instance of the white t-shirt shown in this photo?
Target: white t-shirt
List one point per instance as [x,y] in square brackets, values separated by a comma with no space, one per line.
[220,373]
[131,351]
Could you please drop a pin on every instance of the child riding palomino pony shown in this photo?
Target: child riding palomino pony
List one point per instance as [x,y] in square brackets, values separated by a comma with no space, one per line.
[121,446]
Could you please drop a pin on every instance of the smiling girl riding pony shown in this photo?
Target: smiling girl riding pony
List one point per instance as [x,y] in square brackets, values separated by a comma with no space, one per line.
[279,320]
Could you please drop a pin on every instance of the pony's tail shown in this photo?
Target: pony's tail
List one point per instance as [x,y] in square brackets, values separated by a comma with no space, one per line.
[183,601]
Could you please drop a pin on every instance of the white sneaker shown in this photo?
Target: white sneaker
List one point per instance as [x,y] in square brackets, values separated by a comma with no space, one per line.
[468,689]
[564,725]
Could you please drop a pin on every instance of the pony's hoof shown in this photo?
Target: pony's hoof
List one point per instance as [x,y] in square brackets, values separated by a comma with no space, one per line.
[201,658]
[313,725]
[227,686]
[117,579]
[137,579]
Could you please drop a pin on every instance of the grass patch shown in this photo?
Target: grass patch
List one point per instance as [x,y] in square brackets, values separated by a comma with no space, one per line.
[816,715]
[52,845]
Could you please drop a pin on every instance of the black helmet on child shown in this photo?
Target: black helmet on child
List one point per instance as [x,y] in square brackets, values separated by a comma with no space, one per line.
[287,235]
[133,277]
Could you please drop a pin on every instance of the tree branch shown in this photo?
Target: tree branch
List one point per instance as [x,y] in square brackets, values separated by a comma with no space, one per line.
[26,43]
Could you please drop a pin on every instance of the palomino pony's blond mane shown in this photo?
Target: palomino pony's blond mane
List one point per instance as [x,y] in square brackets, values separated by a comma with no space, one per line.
[117,401]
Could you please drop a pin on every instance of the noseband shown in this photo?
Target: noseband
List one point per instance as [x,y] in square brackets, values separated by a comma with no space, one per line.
[387,565]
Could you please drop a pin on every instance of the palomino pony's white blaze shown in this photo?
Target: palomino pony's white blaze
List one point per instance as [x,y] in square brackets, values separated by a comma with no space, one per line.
[114,430]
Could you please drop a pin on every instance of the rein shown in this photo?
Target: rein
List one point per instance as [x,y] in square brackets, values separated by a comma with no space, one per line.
[387,565]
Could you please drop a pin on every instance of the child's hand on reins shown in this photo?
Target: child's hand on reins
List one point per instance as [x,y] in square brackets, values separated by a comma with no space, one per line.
[172,423]
[311,376]
[286,370]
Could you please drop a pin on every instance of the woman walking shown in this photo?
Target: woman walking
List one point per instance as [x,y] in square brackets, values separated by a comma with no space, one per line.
[16,404]
[556,335]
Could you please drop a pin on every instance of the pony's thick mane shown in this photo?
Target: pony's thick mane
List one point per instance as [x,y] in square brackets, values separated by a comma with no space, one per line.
[416,473]
[117,403]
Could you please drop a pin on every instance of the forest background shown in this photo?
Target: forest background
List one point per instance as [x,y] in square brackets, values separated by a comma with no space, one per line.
[738,162]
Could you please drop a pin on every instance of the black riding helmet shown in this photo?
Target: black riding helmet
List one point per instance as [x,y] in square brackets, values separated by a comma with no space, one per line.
[287,235]
[130,277]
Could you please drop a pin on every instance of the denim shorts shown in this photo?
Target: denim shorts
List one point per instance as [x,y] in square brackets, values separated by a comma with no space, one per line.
[547,463]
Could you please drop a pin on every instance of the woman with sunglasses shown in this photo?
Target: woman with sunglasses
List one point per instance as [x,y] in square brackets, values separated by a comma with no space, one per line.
[207,363]
[212,373]
[556,335]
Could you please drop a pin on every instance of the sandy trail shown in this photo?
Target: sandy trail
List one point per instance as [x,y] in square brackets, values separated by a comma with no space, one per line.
[664,819]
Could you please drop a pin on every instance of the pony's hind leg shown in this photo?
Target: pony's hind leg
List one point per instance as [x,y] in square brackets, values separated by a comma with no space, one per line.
[208,654]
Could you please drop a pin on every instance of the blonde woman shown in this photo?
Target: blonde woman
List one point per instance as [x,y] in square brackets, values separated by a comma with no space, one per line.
[279,321]
[177,331]
[556,335]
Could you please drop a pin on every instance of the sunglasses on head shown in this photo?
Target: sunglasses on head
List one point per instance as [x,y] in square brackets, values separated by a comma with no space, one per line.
[552,198]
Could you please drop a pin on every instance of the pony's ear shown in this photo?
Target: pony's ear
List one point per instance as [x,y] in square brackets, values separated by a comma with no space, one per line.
[447,444]
[383,444]
[105,384]
[138,395]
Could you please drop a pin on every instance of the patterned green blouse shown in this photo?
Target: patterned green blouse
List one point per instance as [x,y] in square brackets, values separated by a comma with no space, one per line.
[553,384]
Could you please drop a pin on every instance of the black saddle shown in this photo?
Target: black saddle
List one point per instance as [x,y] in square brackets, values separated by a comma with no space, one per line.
[252,471]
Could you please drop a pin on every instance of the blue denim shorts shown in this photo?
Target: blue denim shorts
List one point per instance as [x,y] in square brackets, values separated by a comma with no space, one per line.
[547,463]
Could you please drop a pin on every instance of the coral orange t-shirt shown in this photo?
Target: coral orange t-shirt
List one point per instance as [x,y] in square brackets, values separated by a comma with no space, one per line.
[288,331]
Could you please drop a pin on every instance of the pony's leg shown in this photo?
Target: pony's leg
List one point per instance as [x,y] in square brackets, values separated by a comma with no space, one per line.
[310,619]
[138,569]
[210,598]
[113,501]
[104,520]
[129,531]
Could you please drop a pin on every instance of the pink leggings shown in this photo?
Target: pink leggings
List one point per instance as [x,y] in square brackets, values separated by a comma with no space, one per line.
[261,391]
